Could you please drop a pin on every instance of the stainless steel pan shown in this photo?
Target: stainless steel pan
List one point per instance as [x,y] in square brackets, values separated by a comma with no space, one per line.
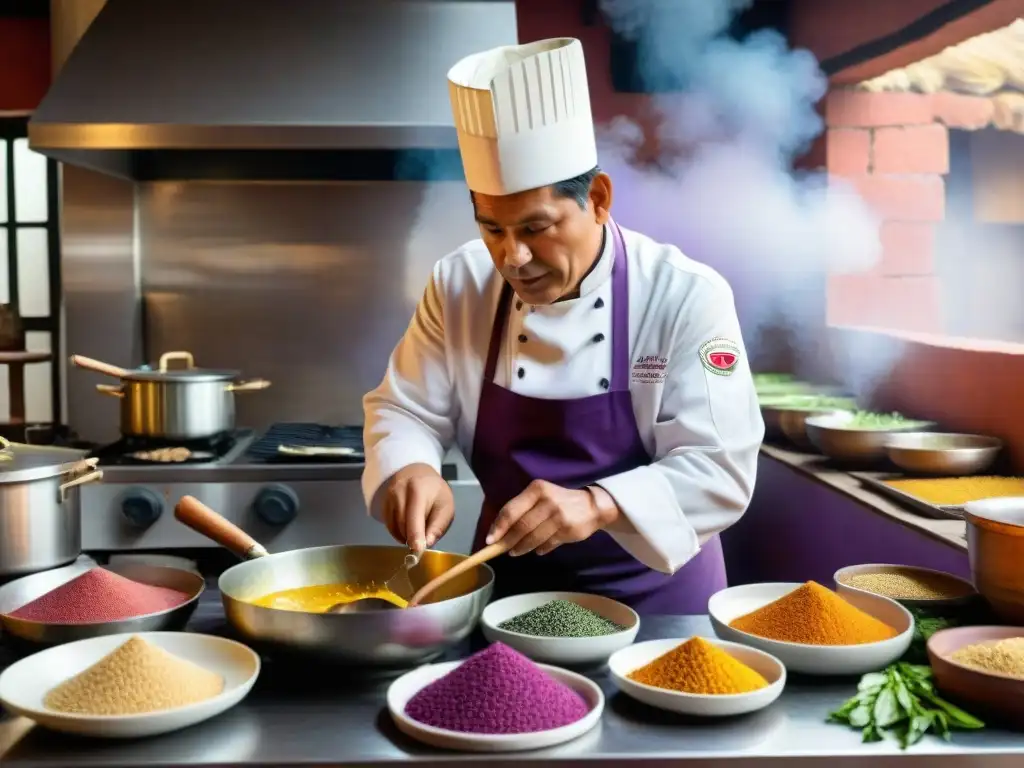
[384,639]
[173,403]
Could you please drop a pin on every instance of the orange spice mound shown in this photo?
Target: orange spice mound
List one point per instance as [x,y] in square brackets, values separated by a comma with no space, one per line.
[814,615]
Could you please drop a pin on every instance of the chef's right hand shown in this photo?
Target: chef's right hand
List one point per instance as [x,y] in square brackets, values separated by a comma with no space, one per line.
[418,506]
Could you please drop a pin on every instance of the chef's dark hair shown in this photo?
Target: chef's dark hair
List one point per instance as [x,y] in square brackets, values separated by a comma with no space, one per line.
[577,187]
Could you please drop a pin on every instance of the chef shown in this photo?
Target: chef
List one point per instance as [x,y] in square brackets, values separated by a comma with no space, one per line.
[595,379]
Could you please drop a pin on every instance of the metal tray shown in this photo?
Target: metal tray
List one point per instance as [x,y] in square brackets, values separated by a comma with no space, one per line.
[876,482]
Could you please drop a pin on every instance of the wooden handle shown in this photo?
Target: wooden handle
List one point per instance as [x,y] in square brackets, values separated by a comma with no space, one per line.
[99,366]
[254,385]
[485,554]
[200,518]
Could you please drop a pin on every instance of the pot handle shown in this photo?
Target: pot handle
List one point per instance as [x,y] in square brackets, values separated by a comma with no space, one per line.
[6,451]
[200,518]
[255,385]
[166,357]
[98,366]
[110,389]
[93,476]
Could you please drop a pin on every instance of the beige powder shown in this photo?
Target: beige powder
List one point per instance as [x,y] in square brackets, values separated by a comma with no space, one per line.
[136,678]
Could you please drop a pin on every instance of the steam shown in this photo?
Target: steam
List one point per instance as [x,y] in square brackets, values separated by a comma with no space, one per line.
[719,184]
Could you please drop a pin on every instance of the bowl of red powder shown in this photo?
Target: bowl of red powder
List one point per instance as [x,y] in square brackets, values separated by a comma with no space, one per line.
[495,701]
[81,601]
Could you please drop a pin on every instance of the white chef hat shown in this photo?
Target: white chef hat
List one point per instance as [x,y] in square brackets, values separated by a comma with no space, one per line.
[522,113]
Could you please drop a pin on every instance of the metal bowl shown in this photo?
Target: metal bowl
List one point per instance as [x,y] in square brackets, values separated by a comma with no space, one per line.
[25,590]
[831,434]
[380,639]
[936,453]
[995,546]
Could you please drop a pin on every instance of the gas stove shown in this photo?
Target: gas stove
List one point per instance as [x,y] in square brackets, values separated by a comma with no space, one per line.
[283,499]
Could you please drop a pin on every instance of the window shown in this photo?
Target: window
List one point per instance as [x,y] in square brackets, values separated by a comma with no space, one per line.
[30,265]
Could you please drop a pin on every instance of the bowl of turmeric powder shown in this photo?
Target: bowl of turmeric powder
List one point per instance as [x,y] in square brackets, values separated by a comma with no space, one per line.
[698,676]
[812,629]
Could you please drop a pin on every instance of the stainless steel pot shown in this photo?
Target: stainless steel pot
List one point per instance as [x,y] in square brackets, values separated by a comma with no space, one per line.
[186,403]
[40,507]
[376,640]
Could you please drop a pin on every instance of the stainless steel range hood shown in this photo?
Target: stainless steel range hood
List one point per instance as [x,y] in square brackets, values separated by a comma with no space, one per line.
[266,89]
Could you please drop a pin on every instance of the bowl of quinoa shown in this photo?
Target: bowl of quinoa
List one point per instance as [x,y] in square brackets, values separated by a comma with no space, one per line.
[909,585]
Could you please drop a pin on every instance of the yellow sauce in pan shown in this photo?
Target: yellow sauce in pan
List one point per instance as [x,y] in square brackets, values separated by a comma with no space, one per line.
[319,599]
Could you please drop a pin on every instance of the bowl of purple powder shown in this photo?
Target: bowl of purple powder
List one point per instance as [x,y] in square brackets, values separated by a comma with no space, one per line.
[563,628]
[497,700]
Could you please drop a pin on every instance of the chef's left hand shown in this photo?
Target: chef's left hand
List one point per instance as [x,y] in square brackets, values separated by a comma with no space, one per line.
[545,516]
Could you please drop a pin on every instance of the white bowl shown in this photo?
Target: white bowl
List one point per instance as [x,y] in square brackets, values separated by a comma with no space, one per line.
[24,684]
[411,683]
[561,650]
[623,662]
[857,570]
[729,604]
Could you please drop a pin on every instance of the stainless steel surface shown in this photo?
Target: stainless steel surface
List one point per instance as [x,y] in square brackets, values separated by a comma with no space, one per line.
[384,639]
[937,453]
[876,481]
[853,446]
[793,424]
[324,717]
[363,605]
[217,77]
[21,463]
[40,511]
[17,593]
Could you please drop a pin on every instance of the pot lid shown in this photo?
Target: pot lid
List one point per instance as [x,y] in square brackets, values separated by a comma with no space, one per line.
[180,366]
[20,463]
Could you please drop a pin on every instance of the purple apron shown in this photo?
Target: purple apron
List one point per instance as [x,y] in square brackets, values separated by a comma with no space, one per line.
[574,443]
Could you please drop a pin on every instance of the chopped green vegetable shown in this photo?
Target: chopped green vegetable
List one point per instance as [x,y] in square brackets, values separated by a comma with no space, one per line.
[901,700]
[880,421]
[925,625]
[809,403]
[773,378]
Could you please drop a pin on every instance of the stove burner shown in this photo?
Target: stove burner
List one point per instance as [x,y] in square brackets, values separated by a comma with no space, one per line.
[301,440]
[151,452]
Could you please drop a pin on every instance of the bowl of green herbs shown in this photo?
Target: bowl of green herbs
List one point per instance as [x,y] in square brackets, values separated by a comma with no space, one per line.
[859,437]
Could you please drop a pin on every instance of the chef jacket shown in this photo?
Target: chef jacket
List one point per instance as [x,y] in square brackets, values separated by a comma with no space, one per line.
[702,428]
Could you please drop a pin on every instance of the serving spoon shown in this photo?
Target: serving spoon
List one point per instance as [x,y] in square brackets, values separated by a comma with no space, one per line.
[370,604]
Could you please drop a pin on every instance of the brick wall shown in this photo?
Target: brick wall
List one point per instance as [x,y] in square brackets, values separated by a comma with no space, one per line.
[894,149]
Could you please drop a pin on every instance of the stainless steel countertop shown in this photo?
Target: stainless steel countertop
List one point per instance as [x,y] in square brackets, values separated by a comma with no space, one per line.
[316,717]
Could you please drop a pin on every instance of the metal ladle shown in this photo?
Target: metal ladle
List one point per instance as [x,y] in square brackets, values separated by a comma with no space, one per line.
[366,604]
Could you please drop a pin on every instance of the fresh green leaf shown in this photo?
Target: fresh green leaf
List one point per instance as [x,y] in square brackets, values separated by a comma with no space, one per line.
[886,711]
[872,681]
[861,716]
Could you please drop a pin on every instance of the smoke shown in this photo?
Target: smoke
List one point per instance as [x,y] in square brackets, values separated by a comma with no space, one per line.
[718,180]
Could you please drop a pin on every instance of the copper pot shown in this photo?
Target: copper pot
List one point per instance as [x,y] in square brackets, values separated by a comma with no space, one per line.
[996,551]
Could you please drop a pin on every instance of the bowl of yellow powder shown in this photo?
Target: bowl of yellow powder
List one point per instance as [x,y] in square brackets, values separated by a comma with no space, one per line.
[982,668]
[912,586]
[698,676]
[812,629]
[130,685]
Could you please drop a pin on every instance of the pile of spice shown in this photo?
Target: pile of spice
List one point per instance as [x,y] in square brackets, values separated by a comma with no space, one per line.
[497,691]
[814,615]
[136,678]
[1003,657]
[957,491]
[698,666]
[909,585]
[99,595]
[561,618]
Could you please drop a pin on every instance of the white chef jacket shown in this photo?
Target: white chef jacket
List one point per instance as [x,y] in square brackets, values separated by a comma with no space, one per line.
[702,429]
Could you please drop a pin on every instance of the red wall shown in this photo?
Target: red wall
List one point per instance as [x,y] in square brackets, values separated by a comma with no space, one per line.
[24,63]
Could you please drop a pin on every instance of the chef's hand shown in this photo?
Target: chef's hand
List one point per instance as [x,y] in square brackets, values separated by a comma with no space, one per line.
[545,516]
[418,506]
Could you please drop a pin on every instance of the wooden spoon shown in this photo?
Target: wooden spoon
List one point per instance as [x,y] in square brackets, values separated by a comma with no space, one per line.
[481,557]
[98,366]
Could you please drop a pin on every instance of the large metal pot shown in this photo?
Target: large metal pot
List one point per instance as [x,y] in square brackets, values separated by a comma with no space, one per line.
[166,403]
[40,507]
[375,640]
[995,545]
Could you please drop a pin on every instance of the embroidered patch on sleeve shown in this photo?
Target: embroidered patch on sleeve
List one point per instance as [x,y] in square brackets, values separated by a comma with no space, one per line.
[719,356]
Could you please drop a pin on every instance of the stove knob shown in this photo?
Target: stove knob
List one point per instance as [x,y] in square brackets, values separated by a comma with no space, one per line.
[276,505]
[141,507]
